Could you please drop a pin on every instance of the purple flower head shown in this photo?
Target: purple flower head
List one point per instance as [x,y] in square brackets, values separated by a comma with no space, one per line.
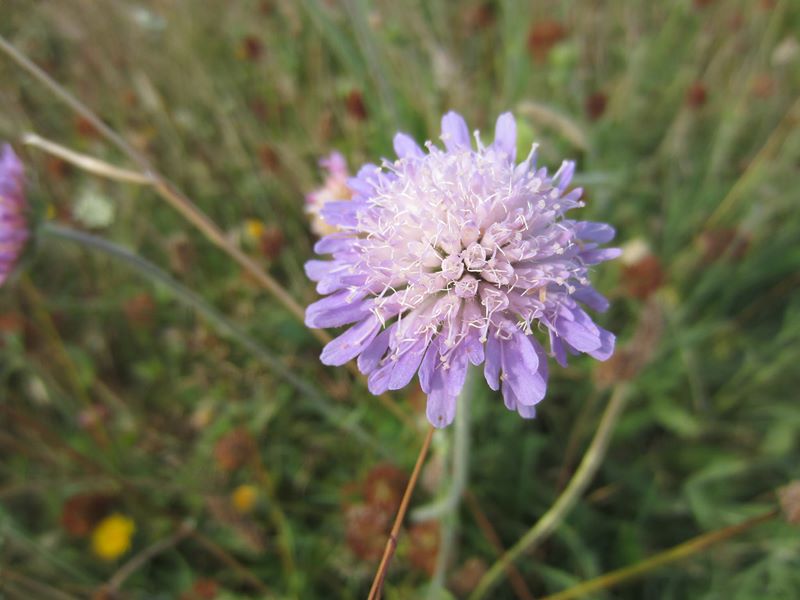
[13,224]
[450,257]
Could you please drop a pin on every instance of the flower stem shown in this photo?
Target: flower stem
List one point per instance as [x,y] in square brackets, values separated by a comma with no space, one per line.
[391,543]
[569,497]
[679,552]
[447,508]
[460,465]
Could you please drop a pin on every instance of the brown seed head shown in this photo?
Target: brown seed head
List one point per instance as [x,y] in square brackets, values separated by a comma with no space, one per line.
[480,16]
[235,449]
[366,528]
[543,36]
[139,310]
[644,277]
[424,546]
[596,105]
[84,127]
[355,105]
[250,48]
[268,158]
[466,578]
[696,95]
[384,485]
[202,589]
[271,242]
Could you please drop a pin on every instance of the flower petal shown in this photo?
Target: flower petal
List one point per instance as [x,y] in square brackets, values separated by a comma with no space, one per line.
[378,380]
[512,403]
[474,348]
[333,243]
[578,330]
[591,231]
[563,176]
[444,385]
[317,269]
[505,135]
[557,348]
[520,363]
[441,408]
[606,349]
[351,343]
[591,298]
[491,370]
[406,147]
[343,213]
[598,255]
[337,310]
[455,133]
[407,364]
[371,356]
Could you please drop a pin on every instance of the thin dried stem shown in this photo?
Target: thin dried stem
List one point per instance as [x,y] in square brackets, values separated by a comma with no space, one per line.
[391,543]
[85,162]
[568,498]
[679,552]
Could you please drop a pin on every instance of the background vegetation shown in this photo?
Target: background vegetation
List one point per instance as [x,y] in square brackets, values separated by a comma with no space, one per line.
[119,398]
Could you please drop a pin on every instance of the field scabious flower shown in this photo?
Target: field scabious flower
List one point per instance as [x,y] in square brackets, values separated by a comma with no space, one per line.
[13,223]
[454,256]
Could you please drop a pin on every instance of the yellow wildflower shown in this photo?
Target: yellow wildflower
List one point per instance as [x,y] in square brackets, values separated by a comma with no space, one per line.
[244,498]
[254,229]
[112,536]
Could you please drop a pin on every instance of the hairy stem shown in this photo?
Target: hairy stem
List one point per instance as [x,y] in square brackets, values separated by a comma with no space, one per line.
[447,509]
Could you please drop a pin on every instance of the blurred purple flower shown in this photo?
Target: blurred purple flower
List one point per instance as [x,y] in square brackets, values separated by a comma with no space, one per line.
[455,256]
[13,223]
[334,188]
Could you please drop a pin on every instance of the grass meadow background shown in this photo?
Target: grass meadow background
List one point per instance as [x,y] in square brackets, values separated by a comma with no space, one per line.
[125,397]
